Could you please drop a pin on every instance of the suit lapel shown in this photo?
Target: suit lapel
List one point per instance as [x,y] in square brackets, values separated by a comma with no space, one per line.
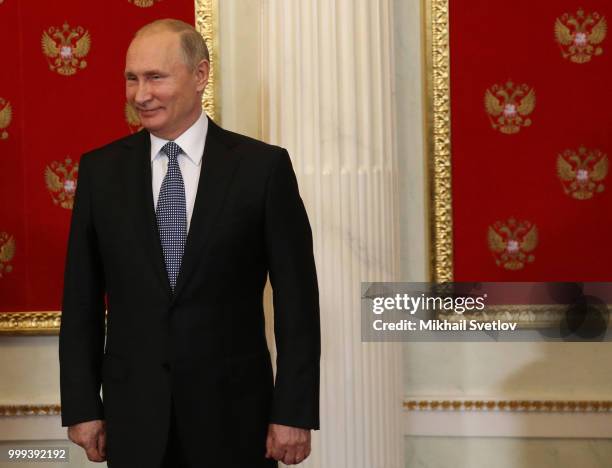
[144,210]
[218,167]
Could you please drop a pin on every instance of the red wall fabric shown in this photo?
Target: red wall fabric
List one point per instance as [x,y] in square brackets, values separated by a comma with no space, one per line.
[54,118]
[498,176]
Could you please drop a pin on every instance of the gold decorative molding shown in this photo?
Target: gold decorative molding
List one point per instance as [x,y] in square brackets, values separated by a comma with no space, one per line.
[438,134]
[47,323]
[537,406]
[29,323]
[206,23]
[532,406]
[526,316]
[29,410]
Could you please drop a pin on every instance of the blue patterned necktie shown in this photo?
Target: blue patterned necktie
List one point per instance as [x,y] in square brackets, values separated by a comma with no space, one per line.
[171,214]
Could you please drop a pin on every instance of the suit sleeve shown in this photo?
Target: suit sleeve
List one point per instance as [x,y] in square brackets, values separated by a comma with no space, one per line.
[81,339]
[296,301]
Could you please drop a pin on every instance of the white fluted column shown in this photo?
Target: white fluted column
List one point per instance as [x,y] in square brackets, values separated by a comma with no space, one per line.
[327,72]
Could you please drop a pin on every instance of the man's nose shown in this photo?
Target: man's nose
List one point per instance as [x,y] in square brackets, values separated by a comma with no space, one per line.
[143,93]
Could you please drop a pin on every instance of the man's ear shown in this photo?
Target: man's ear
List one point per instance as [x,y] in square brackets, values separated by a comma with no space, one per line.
[202,72]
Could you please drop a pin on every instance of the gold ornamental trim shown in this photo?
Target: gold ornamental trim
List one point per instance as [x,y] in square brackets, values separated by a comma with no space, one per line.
[532,316]
[438,135]
[531,406]
[30,323]
[206,24]
[29,410]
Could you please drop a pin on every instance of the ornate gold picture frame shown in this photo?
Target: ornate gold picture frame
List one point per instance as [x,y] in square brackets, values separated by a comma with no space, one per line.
[439,164]
[438,139]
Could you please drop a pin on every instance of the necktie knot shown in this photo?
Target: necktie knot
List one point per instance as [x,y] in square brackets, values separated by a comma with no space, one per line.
[172,150]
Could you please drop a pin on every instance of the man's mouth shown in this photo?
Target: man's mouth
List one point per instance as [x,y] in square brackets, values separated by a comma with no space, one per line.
[147,112]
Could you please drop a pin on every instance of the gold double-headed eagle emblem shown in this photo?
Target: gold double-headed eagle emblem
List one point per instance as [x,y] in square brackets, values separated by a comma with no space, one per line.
[66,48]
[143,3]
[512,243]
[509,106]
[131,118]
[61,180]
[7,252]
[580,36]
[6,115]
[582,172]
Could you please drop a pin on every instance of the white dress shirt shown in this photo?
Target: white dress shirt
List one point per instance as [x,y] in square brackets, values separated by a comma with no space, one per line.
[190,161]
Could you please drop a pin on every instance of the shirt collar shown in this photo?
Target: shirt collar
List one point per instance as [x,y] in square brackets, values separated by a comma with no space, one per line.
[191,141]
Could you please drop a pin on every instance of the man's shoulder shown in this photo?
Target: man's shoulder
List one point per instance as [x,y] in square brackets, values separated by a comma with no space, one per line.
[246,144]
[116,148]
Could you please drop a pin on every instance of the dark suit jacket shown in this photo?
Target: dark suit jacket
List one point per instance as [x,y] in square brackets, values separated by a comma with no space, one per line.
[203,346]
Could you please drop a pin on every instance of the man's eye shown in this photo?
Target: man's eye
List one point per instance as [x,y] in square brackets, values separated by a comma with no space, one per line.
[156,77]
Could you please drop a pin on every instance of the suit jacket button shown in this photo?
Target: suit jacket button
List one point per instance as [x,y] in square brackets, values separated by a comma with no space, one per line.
[166,365]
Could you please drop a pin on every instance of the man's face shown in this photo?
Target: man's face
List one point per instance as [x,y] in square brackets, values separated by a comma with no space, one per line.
[160,86]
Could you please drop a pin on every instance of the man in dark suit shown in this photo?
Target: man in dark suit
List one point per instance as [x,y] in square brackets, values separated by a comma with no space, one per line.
[178,226]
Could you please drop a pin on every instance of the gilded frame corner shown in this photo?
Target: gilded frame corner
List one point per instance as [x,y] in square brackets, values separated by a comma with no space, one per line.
[48,322]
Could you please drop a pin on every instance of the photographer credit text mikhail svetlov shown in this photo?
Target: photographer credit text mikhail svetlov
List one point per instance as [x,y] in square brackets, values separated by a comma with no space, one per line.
[485,311]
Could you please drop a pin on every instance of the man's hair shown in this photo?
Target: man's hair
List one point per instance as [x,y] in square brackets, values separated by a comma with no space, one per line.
[192,43]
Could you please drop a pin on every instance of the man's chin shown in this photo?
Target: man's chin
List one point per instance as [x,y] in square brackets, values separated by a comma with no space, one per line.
[151,125]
